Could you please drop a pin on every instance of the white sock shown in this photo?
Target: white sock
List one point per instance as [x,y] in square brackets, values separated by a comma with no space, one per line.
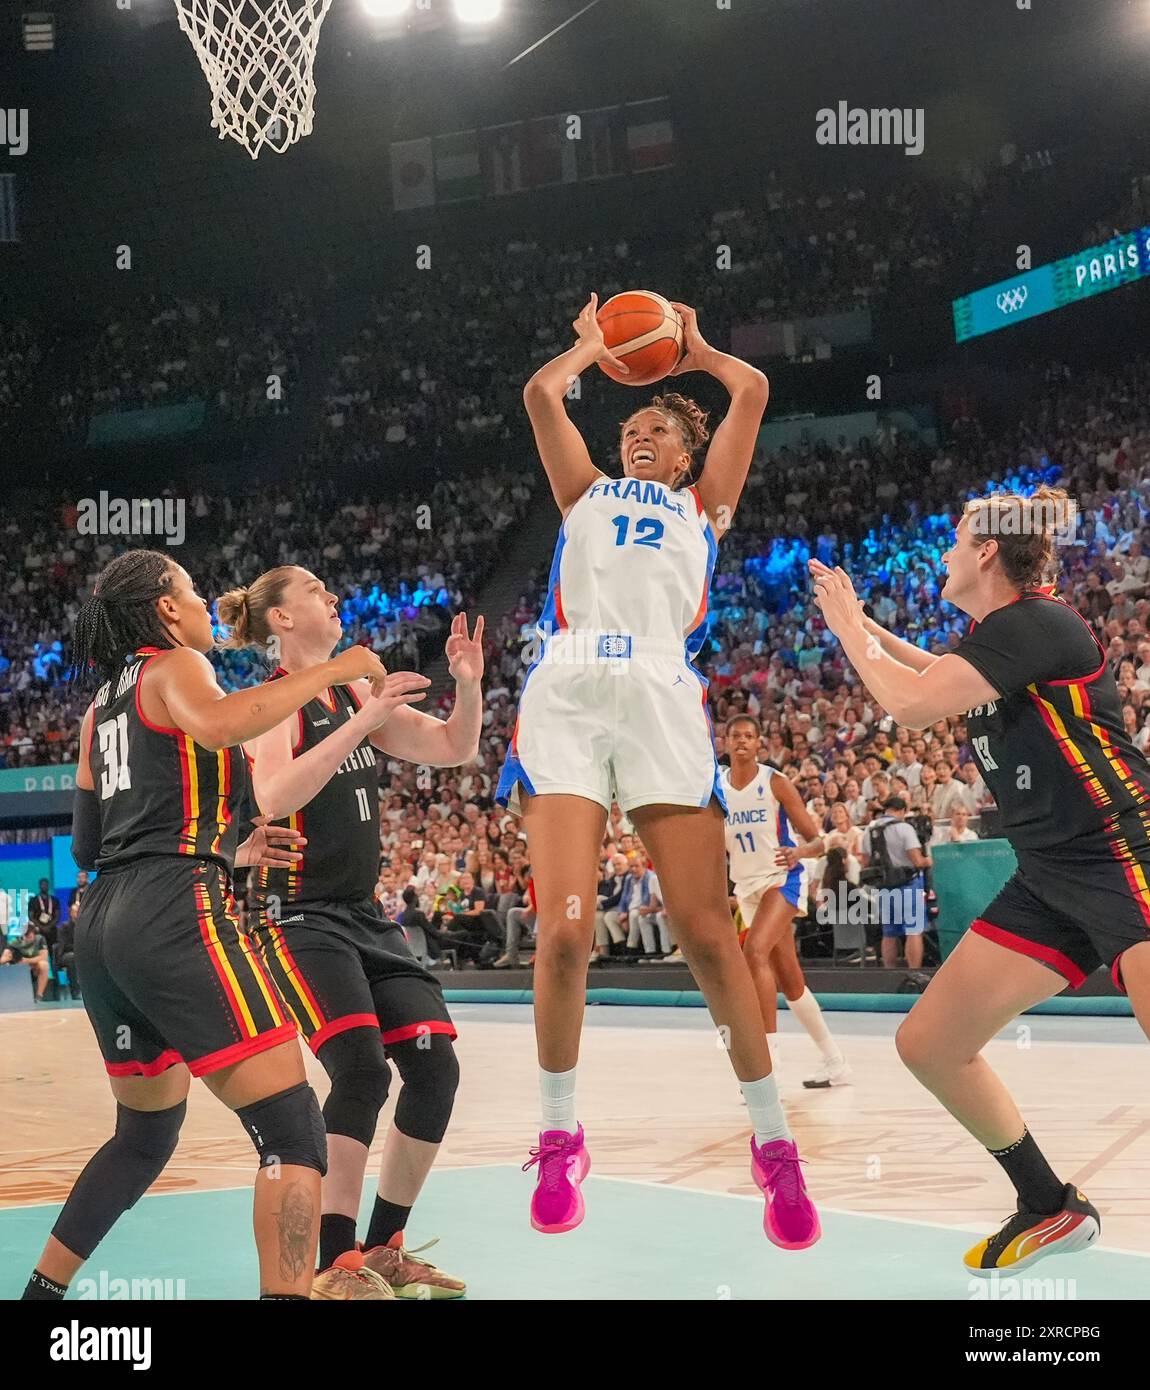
[806,1009]
[557,1094]
[766,1114]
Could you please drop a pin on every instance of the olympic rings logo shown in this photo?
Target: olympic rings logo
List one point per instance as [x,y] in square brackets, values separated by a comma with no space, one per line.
[1010,300]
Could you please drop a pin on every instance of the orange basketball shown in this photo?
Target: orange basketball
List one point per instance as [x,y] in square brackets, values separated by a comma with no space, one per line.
[643,330]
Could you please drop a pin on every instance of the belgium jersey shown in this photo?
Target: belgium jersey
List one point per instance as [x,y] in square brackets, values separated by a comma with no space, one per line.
[1052,747]
[159,791]
[341,822]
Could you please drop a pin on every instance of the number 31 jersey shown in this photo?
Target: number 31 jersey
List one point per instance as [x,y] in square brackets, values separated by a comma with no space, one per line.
[159,791]
[341,822]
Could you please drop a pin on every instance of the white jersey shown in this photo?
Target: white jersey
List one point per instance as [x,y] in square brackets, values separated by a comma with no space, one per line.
[756,826]
[613,708]
[633,557]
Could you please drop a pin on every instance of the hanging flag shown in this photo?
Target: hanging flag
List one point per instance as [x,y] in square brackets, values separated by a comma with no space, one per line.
[457,167]
[8,229]
[602,147]
[650,135]
[412,177]
[503,158]
[551,157]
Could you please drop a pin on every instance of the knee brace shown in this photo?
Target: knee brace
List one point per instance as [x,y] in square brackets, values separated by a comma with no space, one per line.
[287,1129]
[360,1080]
[430,1072]
[118,1175]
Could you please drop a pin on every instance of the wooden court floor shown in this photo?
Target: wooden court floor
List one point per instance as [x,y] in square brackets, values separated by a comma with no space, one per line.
[660,1106]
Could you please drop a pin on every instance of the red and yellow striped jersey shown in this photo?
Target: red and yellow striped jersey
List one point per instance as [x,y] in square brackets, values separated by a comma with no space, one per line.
[160,792]
[1053,746]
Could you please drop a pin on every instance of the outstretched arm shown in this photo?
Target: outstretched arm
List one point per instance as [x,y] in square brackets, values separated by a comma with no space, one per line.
[902,651]
[185,690]
[421,738]
[916,698]
[561,448]
[731,450]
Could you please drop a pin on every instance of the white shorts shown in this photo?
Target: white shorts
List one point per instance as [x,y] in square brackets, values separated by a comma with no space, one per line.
[792,884]
[613,718]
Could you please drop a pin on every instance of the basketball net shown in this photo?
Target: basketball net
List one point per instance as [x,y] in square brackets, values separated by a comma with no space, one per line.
[257,56]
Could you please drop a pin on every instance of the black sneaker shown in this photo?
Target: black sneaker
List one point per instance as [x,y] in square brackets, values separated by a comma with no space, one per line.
[1026,1237]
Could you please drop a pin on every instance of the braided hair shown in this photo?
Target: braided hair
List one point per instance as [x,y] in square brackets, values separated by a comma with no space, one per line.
[121,616]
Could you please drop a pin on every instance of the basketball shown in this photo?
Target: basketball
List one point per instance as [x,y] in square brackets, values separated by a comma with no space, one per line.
[643,330]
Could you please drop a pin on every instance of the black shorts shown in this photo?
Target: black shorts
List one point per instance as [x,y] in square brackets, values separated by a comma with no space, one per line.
[168,977]
[342,965]
[1073,909]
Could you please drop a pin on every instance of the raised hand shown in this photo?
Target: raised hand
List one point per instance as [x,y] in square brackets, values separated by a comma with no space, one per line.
[588,331]
[465,654]
[836,598]
[695,347]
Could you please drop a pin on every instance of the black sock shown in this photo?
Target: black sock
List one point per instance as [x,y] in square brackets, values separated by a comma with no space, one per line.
[1039,1190]
[41,1287]
[283,1297]
[336,1237]
[386,1219]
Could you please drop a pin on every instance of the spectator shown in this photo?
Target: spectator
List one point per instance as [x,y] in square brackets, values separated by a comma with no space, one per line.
[44,913]
[957,831]
[31,950]
[900,882]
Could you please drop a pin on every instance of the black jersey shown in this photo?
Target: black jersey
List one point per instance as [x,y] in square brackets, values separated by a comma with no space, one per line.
[1052,747]
[341,822]
[159,791]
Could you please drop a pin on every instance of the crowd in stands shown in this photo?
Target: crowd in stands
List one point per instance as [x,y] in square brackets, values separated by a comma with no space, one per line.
[882,507]
[402,567]
[503,311]
[171,350]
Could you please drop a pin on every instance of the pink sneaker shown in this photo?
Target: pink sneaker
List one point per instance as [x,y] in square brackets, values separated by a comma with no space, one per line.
[557,1204]
[790,1219]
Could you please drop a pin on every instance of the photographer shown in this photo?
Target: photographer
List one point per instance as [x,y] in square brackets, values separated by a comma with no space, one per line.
[893,861]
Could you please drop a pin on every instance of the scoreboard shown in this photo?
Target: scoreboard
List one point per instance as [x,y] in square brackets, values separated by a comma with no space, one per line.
[1053,286]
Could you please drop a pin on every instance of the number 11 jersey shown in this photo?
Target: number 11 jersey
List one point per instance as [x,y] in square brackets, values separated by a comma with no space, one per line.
[341,822]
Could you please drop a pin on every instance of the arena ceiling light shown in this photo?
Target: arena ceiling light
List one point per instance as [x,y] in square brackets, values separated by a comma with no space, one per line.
[386,9]
[478,11]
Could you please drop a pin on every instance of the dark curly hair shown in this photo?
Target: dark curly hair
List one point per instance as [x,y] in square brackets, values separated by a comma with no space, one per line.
[688,415]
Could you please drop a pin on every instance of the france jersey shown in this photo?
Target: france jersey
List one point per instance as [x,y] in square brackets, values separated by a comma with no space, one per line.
[613,707]
[633,557]
[756,826]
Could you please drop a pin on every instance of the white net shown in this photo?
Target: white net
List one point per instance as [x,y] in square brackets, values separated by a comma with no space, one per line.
[257,56]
